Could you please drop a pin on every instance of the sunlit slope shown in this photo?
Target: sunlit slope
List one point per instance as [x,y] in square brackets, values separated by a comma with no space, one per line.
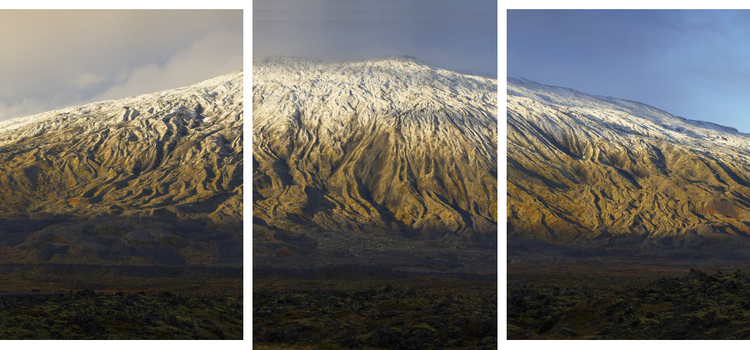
[383,147]
[582,168]
[178,150]
[154,179]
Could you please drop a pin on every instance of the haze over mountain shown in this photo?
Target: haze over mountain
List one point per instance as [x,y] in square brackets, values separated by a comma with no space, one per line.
[150,179]
[620,176]
[356,159]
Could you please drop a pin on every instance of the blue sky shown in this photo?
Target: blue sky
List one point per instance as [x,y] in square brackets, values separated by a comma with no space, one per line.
[457,35]
[694,64]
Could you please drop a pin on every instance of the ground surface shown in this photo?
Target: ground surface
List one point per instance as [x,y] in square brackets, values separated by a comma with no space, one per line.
[91,315]
[58,301]
[421,313]
[204,280]
[605,300]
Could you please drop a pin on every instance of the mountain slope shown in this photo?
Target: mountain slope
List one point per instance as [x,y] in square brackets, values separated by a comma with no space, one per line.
[93,183]
[388,145]
[599,171]
[180,147]
[387,148]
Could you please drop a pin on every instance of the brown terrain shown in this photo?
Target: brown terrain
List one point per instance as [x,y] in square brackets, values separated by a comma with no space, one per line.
[119,189]
[387,162]
[624,222]
[606,174]
[374,206]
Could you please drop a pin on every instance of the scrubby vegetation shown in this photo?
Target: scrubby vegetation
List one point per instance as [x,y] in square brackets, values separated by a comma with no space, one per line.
[388,317]
[93,315]
[692,306]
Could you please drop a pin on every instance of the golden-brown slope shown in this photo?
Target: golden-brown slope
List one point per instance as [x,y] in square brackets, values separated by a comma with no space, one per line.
[581,167]
[178,151]
[386,147]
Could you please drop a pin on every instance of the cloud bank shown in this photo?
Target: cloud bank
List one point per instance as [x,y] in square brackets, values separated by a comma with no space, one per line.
[57,58]
[457,35]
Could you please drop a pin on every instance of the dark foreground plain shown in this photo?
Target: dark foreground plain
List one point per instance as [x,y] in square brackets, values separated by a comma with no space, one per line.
[59,301]
[95,315]
[413,313]
[204,280]
[629,299]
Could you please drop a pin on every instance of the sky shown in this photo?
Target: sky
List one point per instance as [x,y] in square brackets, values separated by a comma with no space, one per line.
[53,59]
[456,35]
[694,64]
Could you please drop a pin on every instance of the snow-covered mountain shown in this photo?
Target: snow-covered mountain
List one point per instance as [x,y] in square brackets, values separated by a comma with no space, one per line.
[593,170]
[110,176]
[388,148]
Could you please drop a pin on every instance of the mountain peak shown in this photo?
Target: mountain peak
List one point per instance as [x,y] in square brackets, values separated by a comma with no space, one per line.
[339,128]
[291,60]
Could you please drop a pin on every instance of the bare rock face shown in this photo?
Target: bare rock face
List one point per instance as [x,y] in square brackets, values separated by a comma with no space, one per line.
[125,173]
[598,171]
[387,147]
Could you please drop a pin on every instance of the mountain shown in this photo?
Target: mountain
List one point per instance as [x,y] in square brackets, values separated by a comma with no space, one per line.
[614,175]
[356,158]
[154,179]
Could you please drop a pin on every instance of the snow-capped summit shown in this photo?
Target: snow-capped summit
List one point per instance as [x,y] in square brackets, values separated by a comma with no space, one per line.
[388,146]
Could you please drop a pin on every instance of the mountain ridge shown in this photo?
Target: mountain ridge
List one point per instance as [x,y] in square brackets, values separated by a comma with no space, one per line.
[150,179]
[592,171]
[118,136]
[380,153]
[695,122]
[381,114]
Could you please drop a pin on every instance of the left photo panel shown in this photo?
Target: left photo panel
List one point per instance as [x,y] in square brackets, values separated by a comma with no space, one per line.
[121,187]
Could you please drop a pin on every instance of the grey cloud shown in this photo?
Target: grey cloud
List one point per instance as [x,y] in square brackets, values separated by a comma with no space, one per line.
[449,34]
[55,58]
[209,56]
